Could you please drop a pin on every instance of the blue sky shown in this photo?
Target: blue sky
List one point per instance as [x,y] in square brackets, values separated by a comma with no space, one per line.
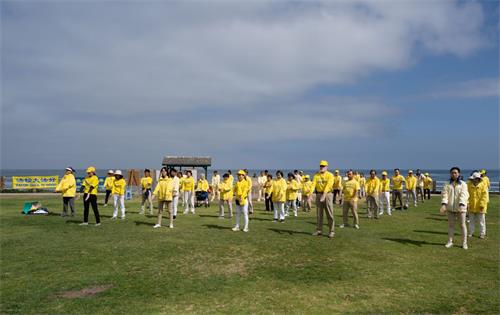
[259,84]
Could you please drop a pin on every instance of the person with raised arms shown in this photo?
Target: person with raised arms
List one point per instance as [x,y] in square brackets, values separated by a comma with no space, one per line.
[323,185]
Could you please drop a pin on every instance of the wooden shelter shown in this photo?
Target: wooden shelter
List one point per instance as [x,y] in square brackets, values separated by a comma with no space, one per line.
[179,162]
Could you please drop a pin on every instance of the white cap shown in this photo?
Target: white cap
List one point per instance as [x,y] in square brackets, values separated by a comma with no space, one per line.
[111,172]
[118,172]
[475,175]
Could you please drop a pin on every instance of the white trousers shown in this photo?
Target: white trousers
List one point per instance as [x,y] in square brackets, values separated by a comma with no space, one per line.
[460,217]
[189,201]
[293,205]
[413,195]
[239,211]
[473,217]
[120,198]
[279,210]
[249,202]
[229,205]
[175,204]
[385,197]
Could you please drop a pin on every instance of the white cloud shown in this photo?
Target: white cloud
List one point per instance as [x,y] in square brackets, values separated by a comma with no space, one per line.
[484,87]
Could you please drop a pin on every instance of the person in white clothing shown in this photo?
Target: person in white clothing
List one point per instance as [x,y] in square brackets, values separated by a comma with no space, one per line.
[261,181]
[215,186]
[176,192]
[454,200]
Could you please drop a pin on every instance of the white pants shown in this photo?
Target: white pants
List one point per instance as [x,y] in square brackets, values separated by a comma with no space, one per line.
[229,205]
[261,194]
[249,202]
[215,193]
[279,210]
[473,217]
[293,204]
[385,197]
[413,194]
[460,217]
[242,210]
[120,198]
[189,201]
[175,204]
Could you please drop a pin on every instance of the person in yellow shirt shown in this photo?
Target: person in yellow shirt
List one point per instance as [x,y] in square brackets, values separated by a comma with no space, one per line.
[411,189]
[292,187]
[323,186]
[279,197]
[420,185]
[486,181]
[164,190]
[67,187]
[385,194]
[146,184]
[478,204]
[307,193]
[241,190]
[215,186]
[337,186]
[231,178]
[250,188]
[350,198]
[89,189]
[108,185]
[268,191]
[202,186]
[397,189]
[372,194]
[226,196]
[427,186]
[362,182]
[188,188]
[119,185]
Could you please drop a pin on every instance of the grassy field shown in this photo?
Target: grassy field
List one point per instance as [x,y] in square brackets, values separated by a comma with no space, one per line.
[396,264]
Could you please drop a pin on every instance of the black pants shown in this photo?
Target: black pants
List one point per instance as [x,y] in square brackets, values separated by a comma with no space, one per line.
[397,194]
[86,205]
[336,192]
[108,193]
[68,201]
[269,202]
[427,193]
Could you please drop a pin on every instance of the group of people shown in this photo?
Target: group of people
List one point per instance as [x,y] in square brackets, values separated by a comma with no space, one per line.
[282,196]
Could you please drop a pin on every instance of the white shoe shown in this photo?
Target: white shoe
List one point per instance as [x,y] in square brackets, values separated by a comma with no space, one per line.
[123,217]
[98,224]
[381,213]
[356,227]
[449,245]
[141,212]
[470,235]
[171,226]
[156,226]
[464,246]
[341,226]
[236,229]
[105,205]
[295,214]
[185,212]
[113,218]
[245,230]
[84,224]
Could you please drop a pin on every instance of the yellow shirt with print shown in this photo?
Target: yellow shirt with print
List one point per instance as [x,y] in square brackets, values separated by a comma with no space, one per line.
[146,183]
[397,182]
[323,182]
[279,190]
[88,182]
[411,182]
[350,190]
[119,187]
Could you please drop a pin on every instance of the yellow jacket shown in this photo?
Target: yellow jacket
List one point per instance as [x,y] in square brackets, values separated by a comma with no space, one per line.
[119,187]
[372,186]
[486,180]
[146,183]
[411,182]
[249,182]
[188,184]
[202,185]
[181,183]
[362,181]
[307,188]
[88,182]
[268,187]
[385,184]
[323,182]
[397,182]
[241,191]
[279,190]
[231,178]
[337,182]
[428,182]
[226,189]
[350,190]
[67,186]
[108,183]
[291,189]
[478,197]
[164,189]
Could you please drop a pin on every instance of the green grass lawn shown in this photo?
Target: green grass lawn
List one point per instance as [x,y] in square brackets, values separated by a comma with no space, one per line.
[396,264]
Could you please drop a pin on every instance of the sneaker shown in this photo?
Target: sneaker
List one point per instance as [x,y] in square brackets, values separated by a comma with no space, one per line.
[317,233]
[282,221]
[185,212]
[356,227]
[482,236]
[341,226]
[236,229]
[113,218]
[331,235]
[275,220]
[171,226]
[156,226]
[449,245]
[245,230]
[295,214]
[381,213]
[84,224]
[464,246]
[105,205]
[123,218]
[221,217]
[470,235]
[141,212]
[98,224]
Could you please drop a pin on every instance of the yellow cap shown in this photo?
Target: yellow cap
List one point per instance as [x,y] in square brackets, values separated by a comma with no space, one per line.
[384,173]
[307,176]
[337,171]
[90,169]
[426,174]
[323,163]
[241,172]
[483,172]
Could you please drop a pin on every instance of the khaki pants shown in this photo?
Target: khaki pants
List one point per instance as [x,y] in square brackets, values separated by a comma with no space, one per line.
[353,206]
[457,216]
[372,203]
[327,207]
[307,202]
[162,204]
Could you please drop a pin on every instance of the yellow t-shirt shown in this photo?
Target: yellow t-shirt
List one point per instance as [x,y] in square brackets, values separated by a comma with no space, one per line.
[279,190]
[307,188]
[164,189]
[188,184]
[411,182]
[146,182]
[385,184]
[203,185]
[397,182]
[322,182]
[291,189]
[108,183]
[372,186]
[119,186]
[350,190]
[92,181]
[241,191]
[226,189]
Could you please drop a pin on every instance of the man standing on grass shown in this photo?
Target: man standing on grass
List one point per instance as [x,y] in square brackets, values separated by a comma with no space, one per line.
[420,185]
[323,186]
[337,185]
[385,194]
[67,186]
[427,186]
[350,197]
[372,194]
[215,186]
[397,189]
[411,189]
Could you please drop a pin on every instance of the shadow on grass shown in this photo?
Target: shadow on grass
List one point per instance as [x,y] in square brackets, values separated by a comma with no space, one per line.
[289,232]
[143,223]
[218,227]
[437,219]
[433,232]
[407,241]
[74,221]
[260,219]
[208,216]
